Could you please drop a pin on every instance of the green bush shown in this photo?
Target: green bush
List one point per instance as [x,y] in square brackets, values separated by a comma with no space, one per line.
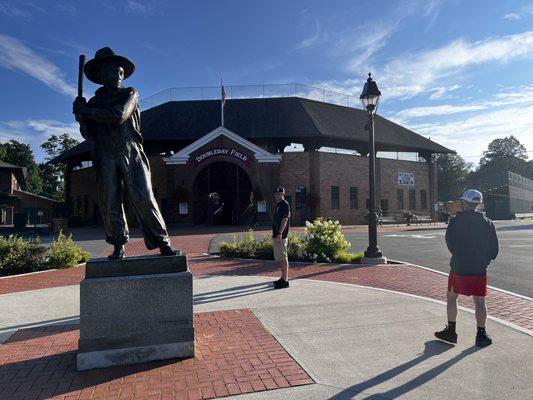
[63,253]
[323,240]
[295,247]
[349,258]
[18,256]
[244,248]
[264,249]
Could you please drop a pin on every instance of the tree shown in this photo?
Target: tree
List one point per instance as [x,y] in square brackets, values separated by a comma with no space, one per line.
[452,175]
[504,149]
[53,176]
[503,155]
[21,154]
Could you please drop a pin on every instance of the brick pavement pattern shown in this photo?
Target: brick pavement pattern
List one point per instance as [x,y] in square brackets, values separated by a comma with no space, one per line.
[400,278]
[234,355]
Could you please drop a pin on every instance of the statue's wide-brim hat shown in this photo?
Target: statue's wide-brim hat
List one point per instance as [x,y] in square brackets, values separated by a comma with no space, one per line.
[104,56]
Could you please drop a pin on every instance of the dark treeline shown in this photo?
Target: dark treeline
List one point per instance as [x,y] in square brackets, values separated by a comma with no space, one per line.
[455,175]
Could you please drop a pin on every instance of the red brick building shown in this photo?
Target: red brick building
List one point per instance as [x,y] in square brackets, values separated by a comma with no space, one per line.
[33,209]
[206,174]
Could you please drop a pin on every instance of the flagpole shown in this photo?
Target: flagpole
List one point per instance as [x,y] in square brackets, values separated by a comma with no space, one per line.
[221,103]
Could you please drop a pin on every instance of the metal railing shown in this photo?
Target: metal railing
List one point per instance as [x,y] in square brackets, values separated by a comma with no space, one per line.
[250,91]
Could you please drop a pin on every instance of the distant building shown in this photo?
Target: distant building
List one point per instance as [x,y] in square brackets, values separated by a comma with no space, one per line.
[514,196]
[206,174]
[17,207]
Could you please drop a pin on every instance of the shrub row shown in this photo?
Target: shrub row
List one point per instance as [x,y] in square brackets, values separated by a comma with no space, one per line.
[322,241]
[18,256]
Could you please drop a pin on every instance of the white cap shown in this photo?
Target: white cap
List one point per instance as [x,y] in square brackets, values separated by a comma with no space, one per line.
[472,196]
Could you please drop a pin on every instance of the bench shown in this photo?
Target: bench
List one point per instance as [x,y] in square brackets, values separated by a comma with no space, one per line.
[423,218]
[522,215]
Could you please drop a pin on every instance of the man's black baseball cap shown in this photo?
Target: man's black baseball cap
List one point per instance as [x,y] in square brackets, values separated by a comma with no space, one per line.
[279,189]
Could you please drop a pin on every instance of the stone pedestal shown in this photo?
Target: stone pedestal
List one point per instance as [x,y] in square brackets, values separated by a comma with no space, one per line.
[135,310]
[373,260]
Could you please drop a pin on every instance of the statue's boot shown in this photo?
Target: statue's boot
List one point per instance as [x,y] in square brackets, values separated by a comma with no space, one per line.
[118,252]
[168,250]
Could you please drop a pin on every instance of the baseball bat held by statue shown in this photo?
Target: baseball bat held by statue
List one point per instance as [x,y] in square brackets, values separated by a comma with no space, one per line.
[80,75]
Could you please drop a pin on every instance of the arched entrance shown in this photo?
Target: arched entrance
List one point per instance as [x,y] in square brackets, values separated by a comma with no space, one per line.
[222,195]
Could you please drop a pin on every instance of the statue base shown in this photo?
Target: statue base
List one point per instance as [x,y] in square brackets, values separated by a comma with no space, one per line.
[135,310]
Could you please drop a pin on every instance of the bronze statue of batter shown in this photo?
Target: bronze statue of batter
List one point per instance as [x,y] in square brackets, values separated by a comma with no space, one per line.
[111,120]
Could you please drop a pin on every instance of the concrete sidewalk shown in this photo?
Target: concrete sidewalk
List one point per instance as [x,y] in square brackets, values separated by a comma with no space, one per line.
[354,342]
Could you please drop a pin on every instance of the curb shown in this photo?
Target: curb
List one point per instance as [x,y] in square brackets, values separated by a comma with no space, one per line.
[496,319]
[445,274]
[40,272]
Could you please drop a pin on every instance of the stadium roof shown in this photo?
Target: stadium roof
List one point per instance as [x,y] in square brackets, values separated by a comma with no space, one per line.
[175,124]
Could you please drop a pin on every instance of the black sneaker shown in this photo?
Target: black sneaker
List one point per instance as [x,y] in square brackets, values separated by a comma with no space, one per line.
[447,335]
[281,284]
[278,281]
[483,340]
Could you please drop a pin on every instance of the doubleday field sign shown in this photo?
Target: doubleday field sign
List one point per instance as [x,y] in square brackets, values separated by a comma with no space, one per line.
[222,152]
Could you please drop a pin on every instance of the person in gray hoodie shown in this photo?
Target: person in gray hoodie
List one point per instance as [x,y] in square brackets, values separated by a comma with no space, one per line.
[472,240]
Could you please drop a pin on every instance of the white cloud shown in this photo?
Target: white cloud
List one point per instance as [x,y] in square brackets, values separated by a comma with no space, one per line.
[16,56]
[35,131]
[315,38]
[512,16]
[144,7]
[374,38]
[418,112]
[413,74]
[442,92]
[136,7]
[11,10]
[470,136]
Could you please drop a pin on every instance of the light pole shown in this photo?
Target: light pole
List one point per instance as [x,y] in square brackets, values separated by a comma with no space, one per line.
[370,99]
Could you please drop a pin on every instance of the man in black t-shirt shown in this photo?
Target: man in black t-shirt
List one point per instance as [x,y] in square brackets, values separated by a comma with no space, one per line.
[280,230]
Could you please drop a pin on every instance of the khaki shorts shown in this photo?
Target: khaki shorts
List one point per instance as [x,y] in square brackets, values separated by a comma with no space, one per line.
[280,249]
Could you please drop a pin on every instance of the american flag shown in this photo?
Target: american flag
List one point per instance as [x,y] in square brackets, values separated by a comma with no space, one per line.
[222,93]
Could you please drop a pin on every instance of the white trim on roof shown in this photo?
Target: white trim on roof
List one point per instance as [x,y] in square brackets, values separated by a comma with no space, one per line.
[260,154]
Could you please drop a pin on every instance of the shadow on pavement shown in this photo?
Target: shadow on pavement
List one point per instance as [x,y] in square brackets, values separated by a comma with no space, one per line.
[67,379]
[231,293]
[431,348]
[39,327]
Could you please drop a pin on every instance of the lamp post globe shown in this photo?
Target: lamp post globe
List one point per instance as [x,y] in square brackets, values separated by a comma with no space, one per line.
[370,100]
[370,95]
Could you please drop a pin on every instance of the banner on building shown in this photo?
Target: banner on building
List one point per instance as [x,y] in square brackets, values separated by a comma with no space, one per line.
[406,178]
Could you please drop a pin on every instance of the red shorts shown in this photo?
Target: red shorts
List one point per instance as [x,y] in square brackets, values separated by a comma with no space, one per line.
[468,285]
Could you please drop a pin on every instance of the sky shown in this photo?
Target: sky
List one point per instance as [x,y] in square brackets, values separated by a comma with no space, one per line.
[458,72]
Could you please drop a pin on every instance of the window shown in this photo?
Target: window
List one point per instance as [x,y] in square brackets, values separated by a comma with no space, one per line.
[261,206]
[399,199]
[335,197]
[184,208]
[423,200]
[412,199]
[384,205]
[354,201]
[85,204]
[301,193]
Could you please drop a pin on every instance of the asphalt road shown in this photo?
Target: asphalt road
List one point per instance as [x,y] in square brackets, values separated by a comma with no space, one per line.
[512,270]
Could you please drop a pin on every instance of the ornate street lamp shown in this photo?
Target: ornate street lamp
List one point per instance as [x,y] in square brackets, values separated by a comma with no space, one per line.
[370,99]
